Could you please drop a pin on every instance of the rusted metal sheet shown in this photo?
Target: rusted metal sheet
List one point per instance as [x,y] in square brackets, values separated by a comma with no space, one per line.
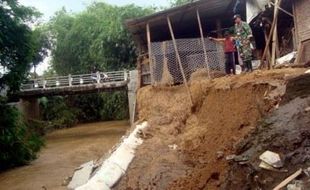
[303,19]
[302,24]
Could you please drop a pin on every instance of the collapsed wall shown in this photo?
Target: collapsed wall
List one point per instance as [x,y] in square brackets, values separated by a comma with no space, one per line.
[185,146]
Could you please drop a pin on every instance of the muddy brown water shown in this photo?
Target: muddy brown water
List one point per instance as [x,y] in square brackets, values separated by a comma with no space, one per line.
[65,150]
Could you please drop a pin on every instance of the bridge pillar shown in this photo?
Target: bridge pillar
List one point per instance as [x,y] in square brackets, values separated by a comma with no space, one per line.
[30,108]
[132,93]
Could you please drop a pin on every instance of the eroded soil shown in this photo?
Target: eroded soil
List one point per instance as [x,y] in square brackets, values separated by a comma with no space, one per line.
[185,146]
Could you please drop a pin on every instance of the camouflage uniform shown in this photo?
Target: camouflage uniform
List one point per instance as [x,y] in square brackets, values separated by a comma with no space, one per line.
[243,33]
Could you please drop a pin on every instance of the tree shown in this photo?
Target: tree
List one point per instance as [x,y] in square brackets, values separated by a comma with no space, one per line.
[16,42]
[41,46]
[174,3]
[19,141]
[93,39]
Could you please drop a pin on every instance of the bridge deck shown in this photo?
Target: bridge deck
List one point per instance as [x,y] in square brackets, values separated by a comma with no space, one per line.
[75,84]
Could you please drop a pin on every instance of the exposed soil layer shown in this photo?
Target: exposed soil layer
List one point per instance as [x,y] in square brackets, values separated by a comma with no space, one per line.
[186,146]
[285,131]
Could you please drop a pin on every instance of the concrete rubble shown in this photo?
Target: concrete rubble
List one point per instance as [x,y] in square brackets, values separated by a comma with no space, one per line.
[114,167]
[81,175]
[272,159]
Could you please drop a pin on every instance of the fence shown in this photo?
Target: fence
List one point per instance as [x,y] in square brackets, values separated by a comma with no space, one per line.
[165,68]
[75,80]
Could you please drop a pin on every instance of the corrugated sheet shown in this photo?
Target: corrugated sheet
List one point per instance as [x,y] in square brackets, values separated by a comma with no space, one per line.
[208,7]
[302,9]
[303,19]
[183,18]
[254,7]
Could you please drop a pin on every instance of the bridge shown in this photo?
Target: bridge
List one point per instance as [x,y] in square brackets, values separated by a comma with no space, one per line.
[33,89]
[75,84]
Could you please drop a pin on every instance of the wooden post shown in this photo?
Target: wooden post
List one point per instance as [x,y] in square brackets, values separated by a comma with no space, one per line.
[139,68]
[179,60]
[274,37]
[203,43]
[275,20]
[149,46]
[219,28]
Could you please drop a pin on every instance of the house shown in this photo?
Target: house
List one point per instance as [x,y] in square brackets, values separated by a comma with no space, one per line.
[173,44]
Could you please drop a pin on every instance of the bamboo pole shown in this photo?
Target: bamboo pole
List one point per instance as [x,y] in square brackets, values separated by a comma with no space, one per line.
[203,43]
[179,60]
[274,38]
[148,31]
[275,20]
[268,50]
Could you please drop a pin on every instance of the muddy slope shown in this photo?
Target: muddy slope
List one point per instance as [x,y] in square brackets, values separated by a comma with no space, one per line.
[287,132]
[185,148]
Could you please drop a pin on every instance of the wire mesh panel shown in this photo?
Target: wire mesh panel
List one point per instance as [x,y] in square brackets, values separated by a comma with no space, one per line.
[167,70]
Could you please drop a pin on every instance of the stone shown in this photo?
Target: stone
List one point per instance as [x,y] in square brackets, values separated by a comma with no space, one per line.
[265,166]
[307,109]
[272,159]
[241,158]
[173,146]
[81,175]
[297,185]
[220,155]
[230,157]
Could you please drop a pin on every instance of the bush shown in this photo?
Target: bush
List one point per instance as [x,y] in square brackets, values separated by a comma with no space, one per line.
[63,112]
[19,141]
[58,113]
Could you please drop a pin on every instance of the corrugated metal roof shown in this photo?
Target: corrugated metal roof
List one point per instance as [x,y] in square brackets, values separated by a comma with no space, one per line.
[182,18]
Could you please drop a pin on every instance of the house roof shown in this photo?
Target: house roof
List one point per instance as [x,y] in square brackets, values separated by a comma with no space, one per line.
[183,18]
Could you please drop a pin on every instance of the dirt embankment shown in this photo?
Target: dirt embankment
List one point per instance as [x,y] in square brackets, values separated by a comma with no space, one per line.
[185,147]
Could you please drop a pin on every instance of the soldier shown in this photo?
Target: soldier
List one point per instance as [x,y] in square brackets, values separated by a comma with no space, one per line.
[243,35]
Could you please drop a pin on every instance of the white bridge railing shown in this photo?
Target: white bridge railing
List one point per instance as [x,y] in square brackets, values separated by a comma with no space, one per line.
[75,80]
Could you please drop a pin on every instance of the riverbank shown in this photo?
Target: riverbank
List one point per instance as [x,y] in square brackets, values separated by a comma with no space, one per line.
[65,150]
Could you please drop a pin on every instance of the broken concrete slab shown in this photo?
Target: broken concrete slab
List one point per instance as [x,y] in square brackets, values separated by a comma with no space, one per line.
[266,166]
[81,175]
[272,159]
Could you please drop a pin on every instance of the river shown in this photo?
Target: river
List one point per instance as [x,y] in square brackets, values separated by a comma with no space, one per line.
[64,151]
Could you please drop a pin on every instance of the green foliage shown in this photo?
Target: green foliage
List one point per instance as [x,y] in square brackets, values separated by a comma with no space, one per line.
[115,106]
[62,112]
[41,45]
[19,141]
[19,47]
[16,42]
[95,38]
[174,3]
[57,113]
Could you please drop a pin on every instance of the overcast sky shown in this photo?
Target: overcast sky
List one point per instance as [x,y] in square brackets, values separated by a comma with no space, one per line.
[49,7]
